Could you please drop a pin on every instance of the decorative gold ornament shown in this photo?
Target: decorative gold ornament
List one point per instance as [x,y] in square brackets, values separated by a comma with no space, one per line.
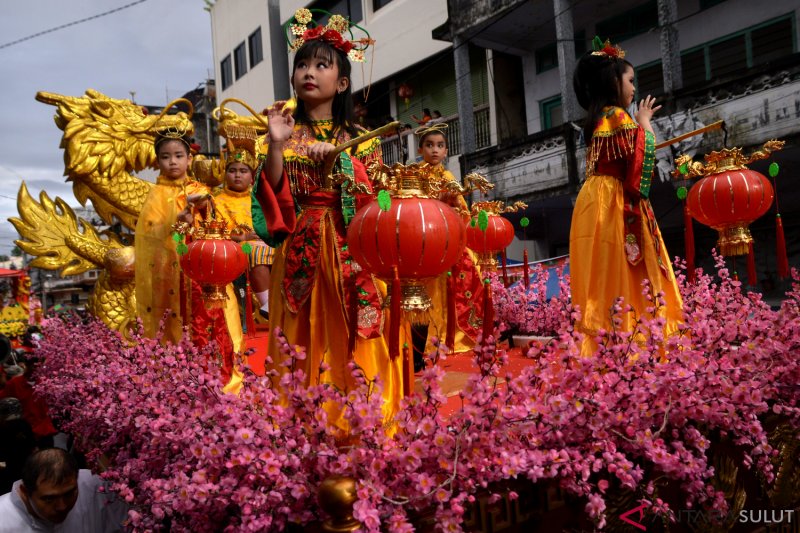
[59,240]
[104,141]
[337,495]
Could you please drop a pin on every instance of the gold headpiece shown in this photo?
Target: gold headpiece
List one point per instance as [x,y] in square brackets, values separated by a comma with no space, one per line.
[332,33]
[240,145]
[600,48]
[173,133]
[439,127]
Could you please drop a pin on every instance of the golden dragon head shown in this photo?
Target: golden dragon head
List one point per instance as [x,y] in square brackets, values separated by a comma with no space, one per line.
[106,135]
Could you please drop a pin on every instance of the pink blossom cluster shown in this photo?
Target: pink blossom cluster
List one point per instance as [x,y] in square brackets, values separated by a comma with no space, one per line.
[529,311]
[643,412]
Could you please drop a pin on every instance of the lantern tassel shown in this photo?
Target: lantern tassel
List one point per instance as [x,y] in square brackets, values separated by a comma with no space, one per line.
[353,325]
[525,272]
[752,280]
[450,337]
[780,245]
[488,312]
[394,316]
[504,260]
[688,234]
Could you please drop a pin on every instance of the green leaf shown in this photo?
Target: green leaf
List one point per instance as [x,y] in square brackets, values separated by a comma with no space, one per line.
[177,237]
[247,248]
[473,222]
[682,192]
[773,170]
[181,249]
[384,200]
[483,220]
[597,43]
[684,169]
[524,222]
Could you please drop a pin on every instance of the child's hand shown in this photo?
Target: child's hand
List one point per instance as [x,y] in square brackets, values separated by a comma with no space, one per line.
[646,110]
[185,216]
[281,122]
[318,151]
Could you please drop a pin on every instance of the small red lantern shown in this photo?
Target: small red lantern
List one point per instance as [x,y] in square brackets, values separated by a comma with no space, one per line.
[406,92]
[213,260]
[729,198]
[498,234]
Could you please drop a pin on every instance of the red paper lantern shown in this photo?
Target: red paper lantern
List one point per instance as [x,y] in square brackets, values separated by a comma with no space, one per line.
[213,261]
[422,237]
[406,92]
[487,244]
[729,201]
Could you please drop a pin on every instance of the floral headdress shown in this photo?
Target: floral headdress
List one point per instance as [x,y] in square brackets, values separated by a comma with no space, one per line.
[304,29]
[600,48]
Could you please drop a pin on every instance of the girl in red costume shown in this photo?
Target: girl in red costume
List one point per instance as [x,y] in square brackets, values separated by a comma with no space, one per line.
[614,240]
[320,298]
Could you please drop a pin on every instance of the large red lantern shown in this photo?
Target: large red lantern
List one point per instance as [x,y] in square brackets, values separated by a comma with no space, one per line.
[729,198]
[496,236]
[406,92]
[419,235]
[213,260]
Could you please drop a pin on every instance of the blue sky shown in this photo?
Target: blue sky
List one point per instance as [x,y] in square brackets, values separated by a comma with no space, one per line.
[160,49]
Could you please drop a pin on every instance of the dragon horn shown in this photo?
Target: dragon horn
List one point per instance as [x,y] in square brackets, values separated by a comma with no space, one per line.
[54,98]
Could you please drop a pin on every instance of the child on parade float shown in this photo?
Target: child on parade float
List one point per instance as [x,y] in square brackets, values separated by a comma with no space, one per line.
[158,273]
[615,242]
[432,146]
[233,203]
[320,298]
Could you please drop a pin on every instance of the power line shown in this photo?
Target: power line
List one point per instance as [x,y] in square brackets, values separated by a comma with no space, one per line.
[67,25]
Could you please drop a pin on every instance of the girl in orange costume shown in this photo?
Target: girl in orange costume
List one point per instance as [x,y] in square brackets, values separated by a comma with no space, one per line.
[615,242]
[320,297]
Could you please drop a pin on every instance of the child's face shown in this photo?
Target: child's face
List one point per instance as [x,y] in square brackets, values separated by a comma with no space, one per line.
[173,159]
[434,148]
[627,88]
[238,177]
[317,80]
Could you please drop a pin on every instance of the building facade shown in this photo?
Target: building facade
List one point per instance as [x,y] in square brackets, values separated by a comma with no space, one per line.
[505,67]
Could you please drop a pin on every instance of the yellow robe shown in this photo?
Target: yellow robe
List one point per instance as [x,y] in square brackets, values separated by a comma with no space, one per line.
[157,268]
[615,242]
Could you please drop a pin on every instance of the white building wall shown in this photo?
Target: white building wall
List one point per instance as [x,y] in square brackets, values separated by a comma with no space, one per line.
[232,22]
[402,31]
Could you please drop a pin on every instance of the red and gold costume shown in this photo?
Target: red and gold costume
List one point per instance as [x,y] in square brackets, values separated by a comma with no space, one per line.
[615,242]
[319,295]
[468,291]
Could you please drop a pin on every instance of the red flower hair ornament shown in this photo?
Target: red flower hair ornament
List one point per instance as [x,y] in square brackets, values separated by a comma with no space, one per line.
[600,48]
[332,33]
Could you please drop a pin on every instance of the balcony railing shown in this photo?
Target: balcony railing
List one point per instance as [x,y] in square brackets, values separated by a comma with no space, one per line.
[393,146]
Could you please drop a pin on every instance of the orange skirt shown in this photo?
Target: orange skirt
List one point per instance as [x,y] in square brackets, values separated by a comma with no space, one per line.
[600,271]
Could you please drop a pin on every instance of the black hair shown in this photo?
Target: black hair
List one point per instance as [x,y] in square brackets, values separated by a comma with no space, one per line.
[426,111]
[597,82]
[54,465]
[343,116]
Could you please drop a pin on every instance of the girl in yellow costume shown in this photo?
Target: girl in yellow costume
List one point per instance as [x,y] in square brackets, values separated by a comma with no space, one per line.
[432,146]
[320,298]
[157,269]
[614,240]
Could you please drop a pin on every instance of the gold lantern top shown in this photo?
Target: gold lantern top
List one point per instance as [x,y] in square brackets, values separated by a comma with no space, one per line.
[723,160]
